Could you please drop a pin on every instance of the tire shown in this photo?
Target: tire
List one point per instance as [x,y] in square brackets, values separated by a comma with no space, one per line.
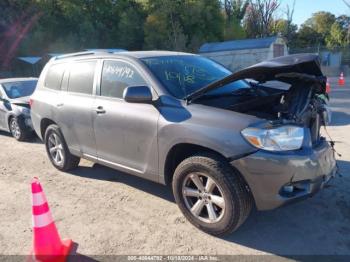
[57,150]
[229,185]
[18,129]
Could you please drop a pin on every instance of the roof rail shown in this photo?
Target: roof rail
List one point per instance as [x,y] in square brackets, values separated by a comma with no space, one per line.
[78,54]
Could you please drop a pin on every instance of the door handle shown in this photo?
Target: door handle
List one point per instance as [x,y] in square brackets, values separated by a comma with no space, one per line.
[100,110]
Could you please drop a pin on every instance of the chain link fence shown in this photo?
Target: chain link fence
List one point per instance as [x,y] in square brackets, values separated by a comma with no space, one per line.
[333,61]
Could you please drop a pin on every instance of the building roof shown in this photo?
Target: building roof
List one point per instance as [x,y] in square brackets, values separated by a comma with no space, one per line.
[238,44]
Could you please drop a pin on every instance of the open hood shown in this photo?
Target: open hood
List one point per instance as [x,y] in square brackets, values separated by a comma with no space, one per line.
[285,68]
[21,100]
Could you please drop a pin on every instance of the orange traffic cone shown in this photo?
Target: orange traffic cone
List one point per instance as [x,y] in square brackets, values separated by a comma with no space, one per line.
[47,245]
[328,86]
[341,80]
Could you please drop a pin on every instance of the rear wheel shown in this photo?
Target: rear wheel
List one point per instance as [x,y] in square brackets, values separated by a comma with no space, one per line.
[57,150]
[211,194]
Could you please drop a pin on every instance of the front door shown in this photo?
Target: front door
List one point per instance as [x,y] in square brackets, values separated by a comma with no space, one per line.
[125,133]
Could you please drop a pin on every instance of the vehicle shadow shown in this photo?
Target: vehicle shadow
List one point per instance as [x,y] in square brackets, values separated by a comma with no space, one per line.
[32,140]
[319,225]
[3,133]
[105,173]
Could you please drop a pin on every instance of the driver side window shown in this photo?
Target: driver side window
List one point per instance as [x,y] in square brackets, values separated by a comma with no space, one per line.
[116,76]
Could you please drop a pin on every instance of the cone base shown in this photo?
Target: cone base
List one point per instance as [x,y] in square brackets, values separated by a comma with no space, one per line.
[65,250]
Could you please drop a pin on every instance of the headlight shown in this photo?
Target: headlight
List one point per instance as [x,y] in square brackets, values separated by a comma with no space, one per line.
[24,110]
[282,138]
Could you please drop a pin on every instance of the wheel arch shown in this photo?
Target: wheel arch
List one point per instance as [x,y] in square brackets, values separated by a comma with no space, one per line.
[44,123]
[180,152]
[9,117]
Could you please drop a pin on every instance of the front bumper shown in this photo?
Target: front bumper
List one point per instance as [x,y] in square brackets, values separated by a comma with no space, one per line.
[268,174]
[28,123]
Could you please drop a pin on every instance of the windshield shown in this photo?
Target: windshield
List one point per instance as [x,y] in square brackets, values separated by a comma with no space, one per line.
[19,88]
[182,75]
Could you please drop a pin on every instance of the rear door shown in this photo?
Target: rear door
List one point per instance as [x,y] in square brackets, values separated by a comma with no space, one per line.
[76,106]
[126,133]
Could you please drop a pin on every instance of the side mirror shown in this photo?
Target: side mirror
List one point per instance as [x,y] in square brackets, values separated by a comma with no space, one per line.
[137,94]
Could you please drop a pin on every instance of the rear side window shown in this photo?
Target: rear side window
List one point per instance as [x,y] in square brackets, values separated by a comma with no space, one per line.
[116,76]
[81,78]
[54,76]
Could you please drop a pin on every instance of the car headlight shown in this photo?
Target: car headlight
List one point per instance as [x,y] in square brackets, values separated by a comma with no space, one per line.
[281,138]
[24,110]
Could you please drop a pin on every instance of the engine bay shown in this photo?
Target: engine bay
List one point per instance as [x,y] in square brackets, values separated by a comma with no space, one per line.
[303,103]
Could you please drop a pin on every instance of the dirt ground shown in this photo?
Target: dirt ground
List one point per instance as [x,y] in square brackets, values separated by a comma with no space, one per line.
[107,212]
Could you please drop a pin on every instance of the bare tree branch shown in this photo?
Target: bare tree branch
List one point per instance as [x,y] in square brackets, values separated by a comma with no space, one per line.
[266,10]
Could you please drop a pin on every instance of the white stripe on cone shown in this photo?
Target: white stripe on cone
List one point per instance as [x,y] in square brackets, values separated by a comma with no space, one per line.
[38,199]
[42,220]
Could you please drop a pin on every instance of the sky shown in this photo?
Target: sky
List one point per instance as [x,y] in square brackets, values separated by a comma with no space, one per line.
[305,8]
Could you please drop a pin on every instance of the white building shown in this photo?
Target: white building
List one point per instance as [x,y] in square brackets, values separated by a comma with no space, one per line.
[238,54]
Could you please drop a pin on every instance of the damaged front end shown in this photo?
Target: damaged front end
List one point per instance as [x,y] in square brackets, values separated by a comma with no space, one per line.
[289,90]
[289,95]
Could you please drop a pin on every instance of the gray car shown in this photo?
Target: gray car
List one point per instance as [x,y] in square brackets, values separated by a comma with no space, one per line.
[14,106]
[224,143]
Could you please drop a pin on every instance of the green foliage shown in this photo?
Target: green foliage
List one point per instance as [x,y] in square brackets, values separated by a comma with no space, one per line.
[321,22]
[36,27]
[323,29]
[306,37]
[336,37]
[235,11]
[285,28]
[182,24]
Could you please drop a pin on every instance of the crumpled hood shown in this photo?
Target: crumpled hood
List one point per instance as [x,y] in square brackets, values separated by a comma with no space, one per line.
[20,100]
[285,68]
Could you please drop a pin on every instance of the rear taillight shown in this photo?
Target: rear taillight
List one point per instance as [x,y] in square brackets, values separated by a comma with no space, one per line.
[30,102]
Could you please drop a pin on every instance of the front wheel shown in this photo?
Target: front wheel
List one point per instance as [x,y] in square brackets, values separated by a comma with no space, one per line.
[211,194]
[18,129]
[58,151]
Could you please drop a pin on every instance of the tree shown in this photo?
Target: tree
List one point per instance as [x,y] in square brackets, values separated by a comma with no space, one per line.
[337,36]
[18,20]
[71,25]
[290,27]
[182,24]
[344,22]
[321,22]
[235,11]
[259,18]
[285,28]
[307,37]
[163,26]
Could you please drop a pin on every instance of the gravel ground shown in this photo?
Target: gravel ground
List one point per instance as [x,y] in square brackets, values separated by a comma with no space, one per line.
[107,212]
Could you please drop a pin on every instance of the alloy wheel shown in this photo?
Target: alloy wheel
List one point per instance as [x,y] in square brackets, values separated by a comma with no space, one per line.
[203,197]
[56,149]
[15,130]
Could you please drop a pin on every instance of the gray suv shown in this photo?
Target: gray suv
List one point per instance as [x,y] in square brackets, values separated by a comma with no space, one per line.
[225,142]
